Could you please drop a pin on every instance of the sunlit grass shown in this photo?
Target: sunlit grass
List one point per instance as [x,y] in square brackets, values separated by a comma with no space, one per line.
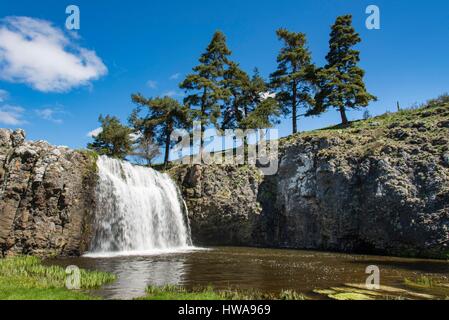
[171,292]
[423,282]
[26,278]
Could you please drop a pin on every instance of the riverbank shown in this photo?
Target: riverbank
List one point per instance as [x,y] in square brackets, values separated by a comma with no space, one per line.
[226,274]
[25,278]
[257,272]
[171,292]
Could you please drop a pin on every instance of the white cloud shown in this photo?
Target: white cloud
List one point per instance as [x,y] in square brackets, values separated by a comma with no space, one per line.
[152,84]
[94,133]
[4,95]
[34,52]
[135,136]
[175,76]
[266,95]
[50,114]
[11,115]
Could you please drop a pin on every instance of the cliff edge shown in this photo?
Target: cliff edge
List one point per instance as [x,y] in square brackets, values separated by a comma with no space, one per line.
[45,197]
[378,186]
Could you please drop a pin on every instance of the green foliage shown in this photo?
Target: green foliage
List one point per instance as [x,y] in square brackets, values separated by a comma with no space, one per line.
[90,154]
[247,107]
[163,116]
[236,106]
[291,295]
[205,85]
[440,101]
[179,293]
[26,278]
[350,296]
[294,75]
[171,292]
[263,116]
[423,282]
[114,140]
[341,82]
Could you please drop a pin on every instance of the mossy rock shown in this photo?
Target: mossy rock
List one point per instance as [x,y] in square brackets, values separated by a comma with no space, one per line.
[360,291]
[387,290]
[350,296]
[324,292]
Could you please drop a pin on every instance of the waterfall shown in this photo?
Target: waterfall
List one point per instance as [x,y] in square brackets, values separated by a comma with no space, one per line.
[138,211]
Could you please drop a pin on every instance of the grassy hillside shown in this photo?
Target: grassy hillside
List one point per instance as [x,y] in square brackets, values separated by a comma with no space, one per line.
[425,126]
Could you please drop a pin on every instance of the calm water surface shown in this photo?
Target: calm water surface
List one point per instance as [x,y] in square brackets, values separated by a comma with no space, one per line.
[267,270]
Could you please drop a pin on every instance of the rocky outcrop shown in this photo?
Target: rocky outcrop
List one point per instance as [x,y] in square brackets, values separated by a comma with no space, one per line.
[222,202]
[381,186]
[393,202]
[45,197]
[378,186]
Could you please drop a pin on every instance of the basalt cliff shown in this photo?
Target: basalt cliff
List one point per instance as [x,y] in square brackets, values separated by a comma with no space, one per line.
[45,197]
[379,186]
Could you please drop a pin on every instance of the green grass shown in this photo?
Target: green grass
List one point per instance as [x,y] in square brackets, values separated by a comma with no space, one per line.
[25,278]
[387,134]
[89,153]
[423,282]
[180,293]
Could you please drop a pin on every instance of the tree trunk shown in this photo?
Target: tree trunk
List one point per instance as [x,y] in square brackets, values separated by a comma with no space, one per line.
[202,129]
[167,144]
[344,118]
[245,149]
[294,108]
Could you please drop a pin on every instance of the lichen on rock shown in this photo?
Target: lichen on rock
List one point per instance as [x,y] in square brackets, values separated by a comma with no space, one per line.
[379,186]
[43,197]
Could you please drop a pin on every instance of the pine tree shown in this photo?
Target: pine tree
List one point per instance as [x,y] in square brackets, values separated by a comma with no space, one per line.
[341,80]
[249,105]
[235,108]
[205,84]
[163,117]
[146,147]
[264,116]
[114,140]
[293,78]
[261,109]
[245,95]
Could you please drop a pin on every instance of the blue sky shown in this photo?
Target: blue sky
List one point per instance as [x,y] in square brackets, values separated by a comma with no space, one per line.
[148,46]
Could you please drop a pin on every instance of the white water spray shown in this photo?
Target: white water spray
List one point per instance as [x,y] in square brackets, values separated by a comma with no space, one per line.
[139,211]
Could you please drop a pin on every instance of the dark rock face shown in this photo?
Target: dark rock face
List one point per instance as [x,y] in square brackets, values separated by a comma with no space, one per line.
[45,197]
[391,203]
[222,202]
[381,188]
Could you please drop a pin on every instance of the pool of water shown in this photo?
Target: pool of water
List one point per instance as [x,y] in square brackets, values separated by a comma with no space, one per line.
[268,270]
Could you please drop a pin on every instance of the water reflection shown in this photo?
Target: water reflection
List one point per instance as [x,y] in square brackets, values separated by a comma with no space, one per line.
[248,268]
[135,276]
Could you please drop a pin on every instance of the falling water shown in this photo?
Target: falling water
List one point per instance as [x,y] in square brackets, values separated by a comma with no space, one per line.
[139,211]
